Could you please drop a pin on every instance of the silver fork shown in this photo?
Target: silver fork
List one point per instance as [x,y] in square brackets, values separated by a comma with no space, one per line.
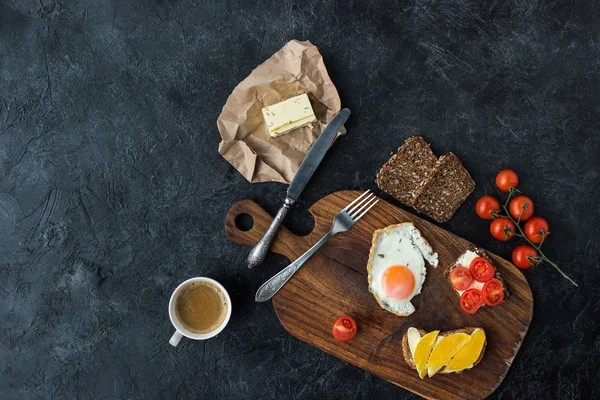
[342,222]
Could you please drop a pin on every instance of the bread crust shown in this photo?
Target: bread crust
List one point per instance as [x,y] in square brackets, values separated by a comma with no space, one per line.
[411,362]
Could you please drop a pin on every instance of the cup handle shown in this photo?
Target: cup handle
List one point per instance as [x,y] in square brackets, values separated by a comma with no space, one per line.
[175,339]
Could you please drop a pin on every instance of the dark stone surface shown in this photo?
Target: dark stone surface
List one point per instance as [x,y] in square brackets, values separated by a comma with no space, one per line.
[112,191]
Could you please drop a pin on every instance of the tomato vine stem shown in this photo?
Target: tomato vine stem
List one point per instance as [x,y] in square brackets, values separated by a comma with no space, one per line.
[521,234]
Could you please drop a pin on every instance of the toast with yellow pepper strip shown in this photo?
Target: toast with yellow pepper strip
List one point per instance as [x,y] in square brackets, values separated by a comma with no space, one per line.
[462,352]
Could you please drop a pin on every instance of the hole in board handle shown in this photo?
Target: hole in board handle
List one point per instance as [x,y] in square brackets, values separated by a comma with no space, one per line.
[244,222]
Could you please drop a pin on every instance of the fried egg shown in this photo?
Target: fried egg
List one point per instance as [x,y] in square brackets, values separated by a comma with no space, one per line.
[396,266]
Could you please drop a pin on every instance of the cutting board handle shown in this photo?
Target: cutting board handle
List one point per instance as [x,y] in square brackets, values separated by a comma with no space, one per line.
[285,243]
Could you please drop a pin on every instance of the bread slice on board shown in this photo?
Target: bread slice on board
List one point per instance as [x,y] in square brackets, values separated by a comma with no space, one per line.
[444,190]
[481,253]
[406,169]
[408,355]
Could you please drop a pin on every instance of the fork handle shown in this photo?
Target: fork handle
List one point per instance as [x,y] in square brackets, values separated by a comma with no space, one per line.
[272,286]
[258,252]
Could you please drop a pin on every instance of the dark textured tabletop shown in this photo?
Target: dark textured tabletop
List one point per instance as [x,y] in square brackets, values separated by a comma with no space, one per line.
[112,191]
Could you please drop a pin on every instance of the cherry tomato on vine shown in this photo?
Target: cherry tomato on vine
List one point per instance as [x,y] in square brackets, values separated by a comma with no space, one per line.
[534,227]
[520,256]
[344,329]
[498,226]
[521,203]
[485,205]
[507,179]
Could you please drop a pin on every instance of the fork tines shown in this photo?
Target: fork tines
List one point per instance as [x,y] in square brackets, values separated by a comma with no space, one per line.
[361,205]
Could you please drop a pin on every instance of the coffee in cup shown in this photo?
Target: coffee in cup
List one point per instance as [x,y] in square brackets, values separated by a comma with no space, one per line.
[199,309]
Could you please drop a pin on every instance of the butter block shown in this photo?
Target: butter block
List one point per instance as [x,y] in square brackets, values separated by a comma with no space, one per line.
[288,115]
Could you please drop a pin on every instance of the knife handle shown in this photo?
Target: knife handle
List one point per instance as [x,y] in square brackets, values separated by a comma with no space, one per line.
[258,252]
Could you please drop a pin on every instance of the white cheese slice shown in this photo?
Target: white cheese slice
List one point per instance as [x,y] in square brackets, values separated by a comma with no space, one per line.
[437,340]
[288,115]
[414,336]
[465,261]
[475,285]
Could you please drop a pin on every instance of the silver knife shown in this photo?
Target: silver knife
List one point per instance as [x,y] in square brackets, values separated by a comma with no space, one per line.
[305,172]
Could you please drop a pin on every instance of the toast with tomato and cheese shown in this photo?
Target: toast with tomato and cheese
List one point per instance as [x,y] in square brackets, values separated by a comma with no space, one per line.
[479,271]
[463,349]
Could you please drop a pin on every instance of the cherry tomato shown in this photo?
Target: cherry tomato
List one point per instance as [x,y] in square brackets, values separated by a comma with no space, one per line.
[492,292]
[534,227]
[481,269]
[344,329]
[498,226]
[521,203]
[507,179]
[471,300]
[521,254]
[485,205]
[461,278]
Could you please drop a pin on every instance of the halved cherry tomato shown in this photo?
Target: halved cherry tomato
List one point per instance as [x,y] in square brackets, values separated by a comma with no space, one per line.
[492,292]
[485,205]
[344,329]
[534,228]
[521,204]
[461,278]
[521,254]
[498,226]
[507,179]
[481,269]
[471,300]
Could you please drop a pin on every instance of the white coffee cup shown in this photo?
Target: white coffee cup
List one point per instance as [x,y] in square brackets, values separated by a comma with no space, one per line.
[181,331]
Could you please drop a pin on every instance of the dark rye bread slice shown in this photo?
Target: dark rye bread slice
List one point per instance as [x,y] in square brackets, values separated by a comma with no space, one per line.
[406,169]
[481,253]
[411,362]
[444,190]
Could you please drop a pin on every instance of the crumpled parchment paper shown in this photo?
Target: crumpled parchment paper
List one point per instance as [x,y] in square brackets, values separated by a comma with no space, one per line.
[295,69]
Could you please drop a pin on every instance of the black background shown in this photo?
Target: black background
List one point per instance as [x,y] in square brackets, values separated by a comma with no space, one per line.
[112,190]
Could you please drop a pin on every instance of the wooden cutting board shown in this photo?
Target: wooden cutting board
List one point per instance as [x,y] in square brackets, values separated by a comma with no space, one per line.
[334,283]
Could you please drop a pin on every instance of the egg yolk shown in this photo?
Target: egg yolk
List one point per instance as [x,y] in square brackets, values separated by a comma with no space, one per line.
[398,282]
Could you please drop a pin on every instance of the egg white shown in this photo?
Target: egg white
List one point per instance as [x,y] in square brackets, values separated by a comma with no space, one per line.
[400,244]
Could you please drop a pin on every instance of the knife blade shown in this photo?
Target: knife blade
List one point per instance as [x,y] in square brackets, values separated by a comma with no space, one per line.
[305,172]
[316,154]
